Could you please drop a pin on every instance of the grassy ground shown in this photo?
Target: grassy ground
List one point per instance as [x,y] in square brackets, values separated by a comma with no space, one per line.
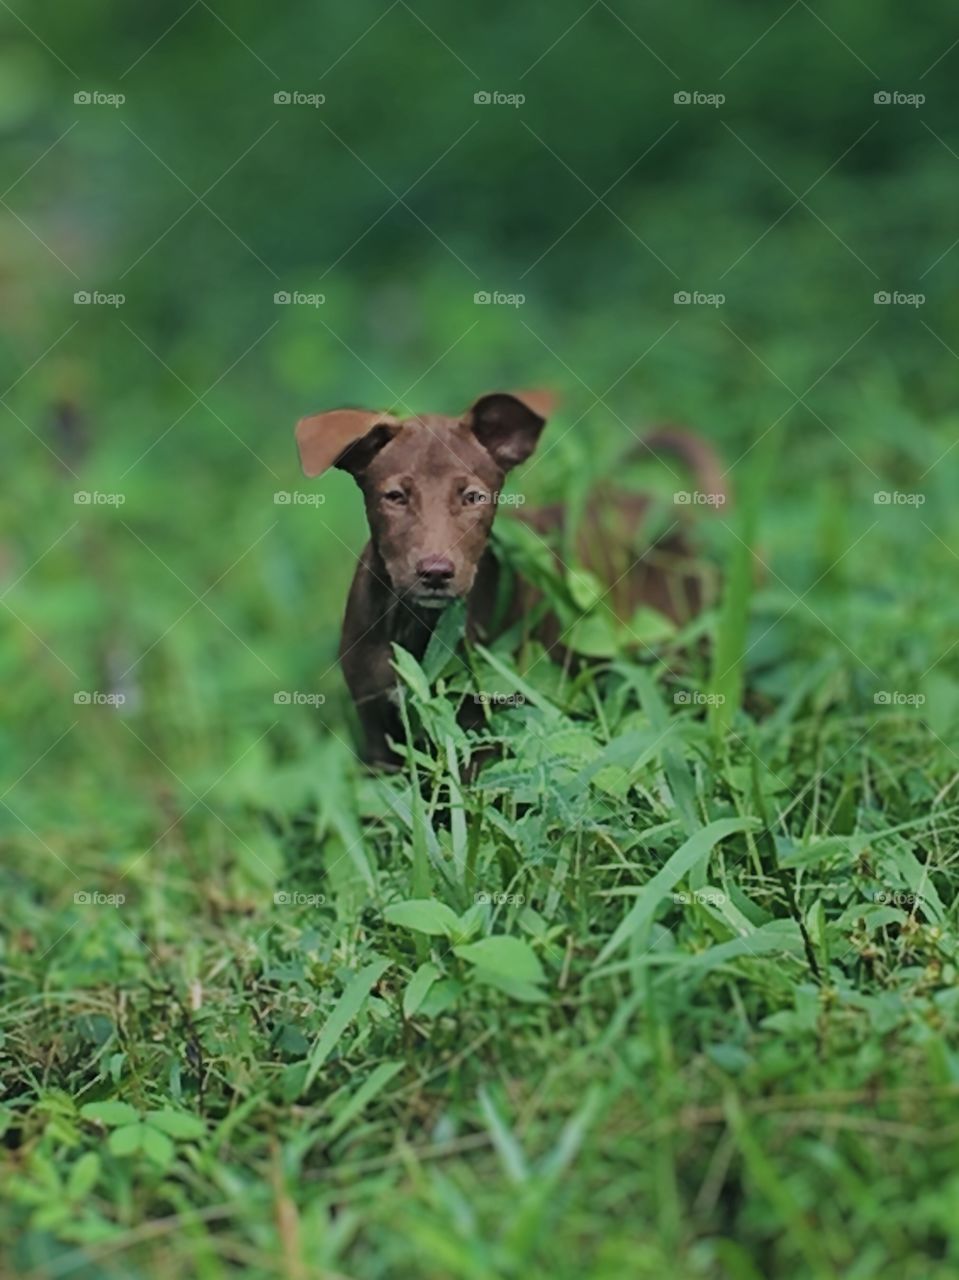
[670,990]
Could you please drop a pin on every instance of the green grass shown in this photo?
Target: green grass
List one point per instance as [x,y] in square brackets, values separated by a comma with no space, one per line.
[669,989]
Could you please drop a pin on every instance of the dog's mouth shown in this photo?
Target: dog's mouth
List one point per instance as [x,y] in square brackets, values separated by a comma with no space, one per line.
[432,597]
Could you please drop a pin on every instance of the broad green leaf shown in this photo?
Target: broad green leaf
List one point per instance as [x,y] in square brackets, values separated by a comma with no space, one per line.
[123,1142]
[178,1124]
[344,1011]
[418,986]
[649,626]
[597,635]
[83,1176]
[411,673]
[503,955]
[110,1113]
[585,588]
[471,921]
[447,634]
[442,996]
[515,988]
[157,1146]
[425,915]
[51,1216]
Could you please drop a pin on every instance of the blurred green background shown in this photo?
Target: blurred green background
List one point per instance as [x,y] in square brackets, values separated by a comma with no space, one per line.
[598,199]
[186,587]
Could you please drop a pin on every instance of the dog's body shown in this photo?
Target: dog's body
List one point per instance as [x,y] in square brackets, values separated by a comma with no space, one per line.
[431,486]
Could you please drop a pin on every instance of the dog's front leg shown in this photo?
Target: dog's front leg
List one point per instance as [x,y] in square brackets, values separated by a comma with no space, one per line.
[380,721]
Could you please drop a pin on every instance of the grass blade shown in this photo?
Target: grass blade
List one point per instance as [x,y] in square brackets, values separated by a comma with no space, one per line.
[344,1011]
[688,855]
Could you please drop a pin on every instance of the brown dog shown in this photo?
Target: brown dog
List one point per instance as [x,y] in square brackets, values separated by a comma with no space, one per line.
[431,486]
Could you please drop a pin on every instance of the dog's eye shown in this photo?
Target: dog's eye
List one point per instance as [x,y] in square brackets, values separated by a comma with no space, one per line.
[396,496]
[473,496]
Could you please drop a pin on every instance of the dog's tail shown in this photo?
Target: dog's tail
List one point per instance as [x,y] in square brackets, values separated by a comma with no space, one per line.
[696,453]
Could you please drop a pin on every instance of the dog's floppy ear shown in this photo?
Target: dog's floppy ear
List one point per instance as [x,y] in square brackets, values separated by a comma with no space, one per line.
[345,438]
[507,423]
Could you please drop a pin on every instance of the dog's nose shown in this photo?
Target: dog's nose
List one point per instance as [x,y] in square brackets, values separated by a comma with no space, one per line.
[435,571]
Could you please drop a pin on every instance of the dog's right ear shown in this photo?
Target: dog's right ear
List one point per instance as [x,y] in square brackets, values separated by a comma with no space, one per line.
[344,438]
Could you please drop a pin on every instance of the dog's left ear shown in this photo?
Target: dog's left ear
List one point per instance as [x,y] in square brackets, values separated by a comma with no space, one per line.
[508,423]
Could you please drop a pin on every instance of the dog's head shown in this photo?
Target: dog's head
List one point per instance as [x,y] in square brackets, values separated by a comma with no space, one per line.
[431,483]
